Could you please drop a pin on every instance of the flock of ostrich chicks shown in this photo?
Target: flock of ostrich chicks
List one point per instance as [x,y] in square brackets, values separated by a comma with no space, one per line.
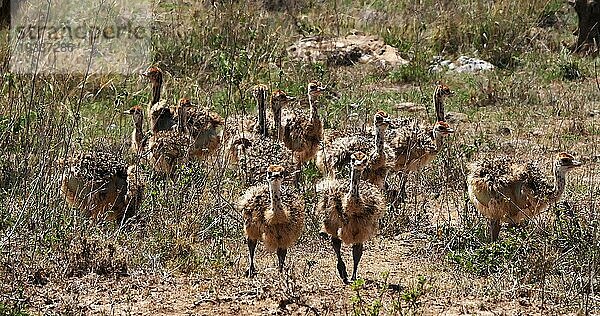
[274,146]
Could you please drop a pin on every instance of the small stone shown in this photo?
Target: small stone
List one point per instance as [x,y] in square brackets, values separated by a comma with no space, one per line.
[416,108]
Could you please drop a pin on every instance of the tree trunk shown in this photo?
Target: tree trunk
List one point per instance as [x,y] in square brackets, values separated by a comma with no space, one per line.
[588,16]
[4,13]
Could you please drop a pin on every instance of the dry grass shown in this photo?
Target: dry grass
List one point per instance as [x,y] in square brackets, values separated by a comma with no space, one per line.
[184,251]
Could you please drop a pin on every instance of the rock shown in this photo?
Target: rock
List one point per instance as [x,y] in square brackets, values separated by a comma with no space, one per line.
[346,51]
[468,64]
[462,64]
[417,108]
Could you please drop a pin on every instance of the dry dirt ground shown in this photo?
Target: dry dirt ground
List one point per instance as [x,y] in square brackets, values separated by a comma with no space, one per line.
[309,287]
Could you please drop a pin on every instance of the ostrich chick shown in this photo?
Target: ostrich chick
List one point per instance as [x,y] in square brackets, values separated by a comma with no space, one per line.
[166,122]
[254,156]
[100,185]
[203,126]
[350,211]
[167,149]
[504,191]
[415,146]
[272,215]
[302,132]
[336,155]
